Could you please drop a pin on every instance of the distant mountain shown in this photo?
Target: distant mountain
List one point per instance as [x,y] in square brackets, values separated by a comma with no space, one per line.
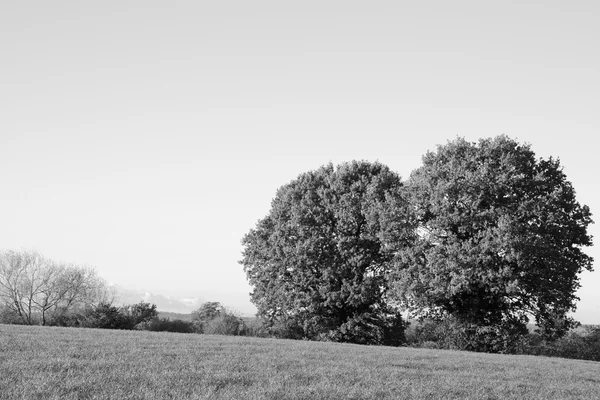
[174,316]
[170,304]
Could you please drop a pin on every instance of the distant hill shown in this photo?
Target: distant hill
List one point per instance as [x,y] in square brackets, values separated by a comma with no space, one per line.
[182,304]
[173,315]
[166,303]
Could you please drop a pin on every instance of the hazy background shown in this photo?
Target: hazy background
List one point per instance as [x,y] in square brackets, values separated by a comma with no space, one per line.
[145,138]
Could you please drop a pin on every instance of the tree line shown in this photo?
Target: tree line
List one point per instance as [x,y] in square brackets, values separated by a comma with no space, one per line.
[210,318]
[482,239]
[96,309]
[37,290]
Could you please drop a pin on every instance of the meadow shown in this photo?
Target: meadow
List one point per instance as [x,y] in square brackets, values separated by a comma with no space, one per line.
[70,363]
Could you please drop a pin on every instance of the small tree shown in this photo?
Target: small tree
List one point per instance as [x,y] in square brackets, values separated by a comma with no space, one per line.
[215,319]
[141,312]
[206,313]
[108,316]
[225,324]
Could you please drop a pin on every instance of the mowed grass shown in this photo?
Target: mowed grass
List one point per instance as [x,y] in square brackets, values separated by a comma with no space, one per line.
[68,363]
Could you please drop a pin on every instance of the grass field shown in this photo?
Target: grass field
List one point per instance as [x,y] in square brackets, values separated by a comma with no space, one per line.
[69,363]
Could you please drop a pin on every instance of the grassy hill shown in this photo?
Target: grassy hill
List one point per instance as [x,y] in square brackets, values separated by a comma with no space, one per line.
[69,363]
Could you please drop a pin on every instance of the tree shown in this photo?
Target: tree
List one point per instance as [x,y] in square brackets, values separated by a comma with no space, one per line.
[225,324]
[131,316]
[34,288]
[20,282]
[141,312]
[108,316]
[318,262]
[207,312]
[215,319]
[500,238]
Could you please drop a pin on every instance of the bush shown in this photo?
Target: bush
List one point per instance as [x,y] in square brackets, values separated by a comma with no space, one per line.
[256,327]
[285,329]
[367,329]
[107,316]
[215,319]
[449,333]
[167,325]
[226,324]
[71,318]
[8,316]
[508,338]
[141,312]
[577,345]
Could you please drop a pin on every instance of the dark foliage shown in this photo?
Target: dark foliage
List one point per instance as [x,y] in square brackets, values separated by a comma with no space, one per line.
[319,261]
[74,318]
[454,334]
[582,345]
[167,325]
[9,316]
[501,237]
[107,316]
[256,327]
[140,313]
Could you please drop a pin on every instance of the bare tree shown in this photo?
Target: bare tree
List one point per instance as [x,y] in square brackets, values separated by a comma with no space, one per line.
[12,271]
[35,288]
[78,287]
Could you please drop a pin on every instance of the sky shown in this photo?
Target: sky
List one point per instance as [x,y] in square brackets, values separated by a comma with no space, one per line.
[145,138]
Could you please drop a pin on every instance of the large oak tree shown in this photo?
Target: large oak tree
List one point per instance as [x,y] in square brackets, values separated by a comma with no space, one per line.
[500,237]
[319,260]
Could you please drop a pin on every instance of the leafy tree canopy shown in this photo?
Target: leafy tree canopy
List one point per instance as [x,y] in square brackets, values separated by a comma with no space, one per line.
[500,237]
[318,262]
[207,311]
[142,312]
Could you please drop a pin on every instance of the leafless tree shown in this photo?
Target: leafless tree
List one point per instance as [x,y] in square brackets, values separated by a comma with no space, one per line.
[35,288]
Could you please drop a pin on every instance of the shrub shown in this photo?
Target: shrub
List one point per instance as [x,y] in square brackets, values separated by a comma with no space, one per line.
[107,316]
[285,329]
[449,333]
[141,312]
[213,318]
[8,316]
[578,345]
[256,327]
[71,318]
[367,329]
[206,313]
[507,338]
[226,324]
[167,325]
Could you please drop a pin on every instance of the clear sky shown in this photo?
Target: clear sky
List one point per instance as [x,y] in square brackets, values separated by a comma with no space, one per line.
[145,138]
